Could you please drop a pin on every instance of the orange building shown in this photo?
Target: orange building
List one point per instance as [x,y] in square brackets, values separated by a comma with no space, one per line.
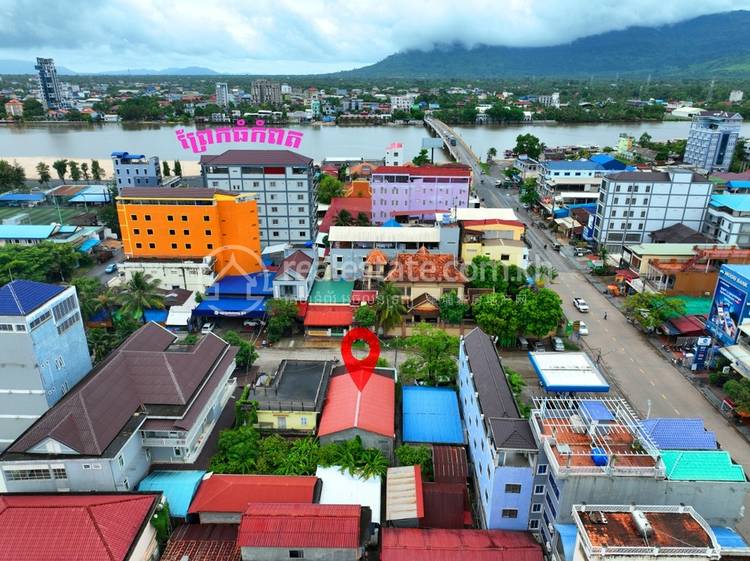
[190,223]
[358,188]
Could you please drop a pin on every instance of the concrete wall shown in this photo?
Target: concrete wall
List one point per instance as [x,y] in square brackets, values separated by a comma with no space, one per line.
[417,195]
[220,517]
[501,500]
[276,554]
[369,440]
[190,276]
[295,420]
[146,547]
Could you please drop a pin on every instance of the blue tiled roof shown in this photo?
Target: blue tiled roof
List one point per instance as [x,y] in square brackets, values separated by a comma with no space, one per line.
[572,165]
[179,487]
[25,231]
[21,297]
[431,415]
[740,203]
[255,284]
[679,434]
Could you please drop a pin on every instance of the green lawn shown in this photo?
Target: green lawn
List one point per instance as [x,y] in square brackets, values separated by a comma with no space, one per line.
[42,214]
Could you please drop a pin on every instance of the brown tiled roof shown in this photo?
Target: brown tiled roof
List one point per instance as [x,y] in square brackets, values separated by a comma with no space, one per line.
[141,373]
[376,257]
[293,261]
[257,157]
[424,266]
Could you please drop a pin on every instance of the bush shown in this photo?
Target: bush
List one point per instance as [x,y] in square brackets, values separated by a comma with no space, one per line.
[416,455]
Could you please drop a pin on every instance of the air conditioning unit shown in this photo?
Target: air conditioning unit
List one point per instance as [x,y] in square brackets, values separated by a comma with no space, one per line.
[726,370]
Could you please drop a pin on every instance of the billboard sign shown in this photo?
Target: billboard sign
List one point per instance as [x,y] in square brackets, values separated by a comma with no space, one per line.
[729,308]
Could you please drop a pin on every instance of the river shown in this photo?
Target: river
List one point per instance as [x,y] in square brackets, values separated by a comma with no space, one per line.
[98,141]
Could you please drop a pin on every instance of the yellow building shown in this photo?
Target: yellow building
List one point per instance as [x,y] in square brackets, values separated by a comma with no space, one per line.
[292,400]
[190,223]
[509,252]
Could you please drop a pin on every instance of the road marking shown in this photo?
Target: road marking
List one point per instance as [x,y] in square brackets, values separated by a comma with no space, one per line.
[291,343]
[642,371]
[614,338]
[664,397]
[676,410]
[606,330]
[652,383]
[630,357]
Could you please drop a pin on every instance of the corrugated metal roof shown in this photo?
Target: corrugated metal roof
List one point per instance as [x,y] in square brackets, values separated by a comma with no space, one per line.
[694,465]
[21,197]
[232,493]
[203,542]
[403,493]
[572,165]
[412,544]
[727,538]
[679,434]
[328,316]
[178,488]
[568,372]
[300,526]
[445,505]
[370,410]
[449,464]
[740,203]
[21,297]
[257,157]
[431,415]
[331,292]
[339,487]
[84,527]
[26,231]
[253,284]
[407,234]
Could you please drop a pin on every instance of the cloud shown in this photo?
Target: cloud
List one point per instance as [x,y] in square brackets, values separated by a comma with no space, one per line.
[301,36]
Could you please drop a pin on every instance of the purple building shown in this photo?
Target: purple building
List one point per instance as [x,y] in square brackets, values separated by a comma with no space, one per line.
[418,192]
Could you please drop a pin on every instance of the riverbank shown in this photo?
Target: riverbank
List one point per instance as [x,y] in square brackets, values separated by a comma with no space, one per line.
[189,167]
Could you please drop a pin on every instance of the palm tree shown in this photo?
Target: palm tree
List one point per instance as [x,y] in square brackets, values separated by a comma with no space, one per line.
[88,289]
[363,219]
[343,218]
[542,274]
[491,153]
[61,167]
[108,301]
[388,307]
[140,293]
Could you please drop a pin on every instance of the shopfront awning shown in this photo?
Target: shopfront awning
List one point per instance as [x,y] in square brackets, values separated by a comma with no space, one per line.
[254,307]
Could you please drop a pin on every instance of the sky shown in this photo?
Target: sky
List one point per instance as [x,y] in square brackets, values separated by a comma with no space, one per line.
[305,36]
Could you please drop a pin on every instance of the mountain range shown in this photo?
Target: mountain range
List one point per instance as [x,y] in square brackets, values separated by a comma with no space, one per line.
[713,45]
[10,66]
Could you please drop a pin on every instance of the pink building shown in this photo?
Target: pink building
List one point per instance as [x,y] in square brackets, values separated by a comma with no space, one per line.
[418,191]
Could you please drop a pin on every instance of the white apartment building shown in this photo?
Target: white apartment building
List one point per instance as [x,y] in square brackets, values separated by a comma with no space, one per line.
[403,102]
[284,183]
[712,138]
[728,219]
[633,204]
[551,100]
[222,94]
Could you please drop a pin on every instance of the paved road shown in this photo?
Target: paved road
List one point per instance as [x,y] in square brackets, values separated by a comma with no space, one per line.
[98,271]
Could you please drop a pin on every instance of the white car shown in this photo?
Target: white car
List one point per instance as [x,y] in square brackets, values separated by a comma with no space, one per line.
[581,305]
[207,328]
[583,329]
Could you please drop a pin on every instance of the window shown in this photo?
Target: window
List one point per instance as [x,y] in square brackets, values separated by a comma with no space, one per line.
[64,308]
[174,246]
[300,209]
[300,197]
[648,188]
[138,245]
[188,246]
[136,231]
[59,473]
[186,232]
[178,452]
[509,513]
[152,245]
[541,469]
[126,483]
[120,460]
[150,232]
[274,209]
[39,320]
[539,489]
[170,218]
[206,218]
[68,323]
[302,234]
[209,246]
[172,232]
[613,213]
[504,257]
[534,524]
[536,507]
[302,420]
[296,554]
[183,218]
[27,474]
[617,188]
[147,218]
[134,218]
[513,488]
[616,201]
[645,200]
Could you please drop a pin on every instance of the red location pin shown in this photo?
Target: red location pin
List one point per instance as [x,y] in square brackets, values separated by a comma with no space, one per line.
[360,370]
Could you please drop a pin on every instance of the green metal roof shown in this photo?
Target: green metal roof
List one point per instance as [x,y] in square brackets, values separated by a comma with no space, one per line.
[701,465]
[695,305]
[331,292]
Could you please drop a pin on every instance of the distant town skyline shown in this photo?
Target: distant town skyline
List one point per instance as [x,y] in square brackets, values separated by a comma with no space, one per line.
[230,36]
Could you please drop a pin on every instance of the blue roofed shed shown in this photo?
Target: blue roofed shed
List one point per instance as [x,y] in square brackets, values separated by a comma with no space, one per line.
[679,434]
[157,316]
[21,297]
[431,415]
[727,538]
[21,198]
[88,245]
[240,286]
[26,231]
[179,488]
[93,194]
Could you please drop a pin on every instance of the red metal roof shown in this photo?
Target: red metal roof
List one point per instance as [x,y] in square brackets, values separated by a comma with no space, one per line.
[232,493]
[450,464]
[444,505]
[688,325]
[328,316]
[301,525]
[90,527]
[412,544]
[354,205]
[370,410]
[420,171]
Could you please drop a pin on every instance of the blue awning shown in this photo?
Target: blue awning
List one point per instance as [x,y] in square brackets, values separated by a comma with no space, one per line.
[253,307]
[241,286]
[179,488]
[88,245]
[158,316]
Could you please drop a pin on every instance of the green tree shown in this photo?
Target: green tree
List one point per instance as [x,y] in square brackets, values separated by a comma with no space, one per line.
[88,289]
[101,342]
[363,219]
[491,153]
[85,171]
[140,293]
[540,312]
[651,310]
[75,171]
[365,316]
[282,315]
[237,451]
[529,194]
[246,354]
[528,144]
[542,274]
[420,455]
[107,300]
[433,356]
[165,168]
[496,315]
[738,157]
[388,307]
[97,173]
[353,457]
[343,218]
[329,188]
[452,310]
[421,159]
[44,262]
[177,168]
[12,176]
[32,108]
[645,140]
[739,392]
[483,272]
[61,167]
[517,279]
[42,171]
